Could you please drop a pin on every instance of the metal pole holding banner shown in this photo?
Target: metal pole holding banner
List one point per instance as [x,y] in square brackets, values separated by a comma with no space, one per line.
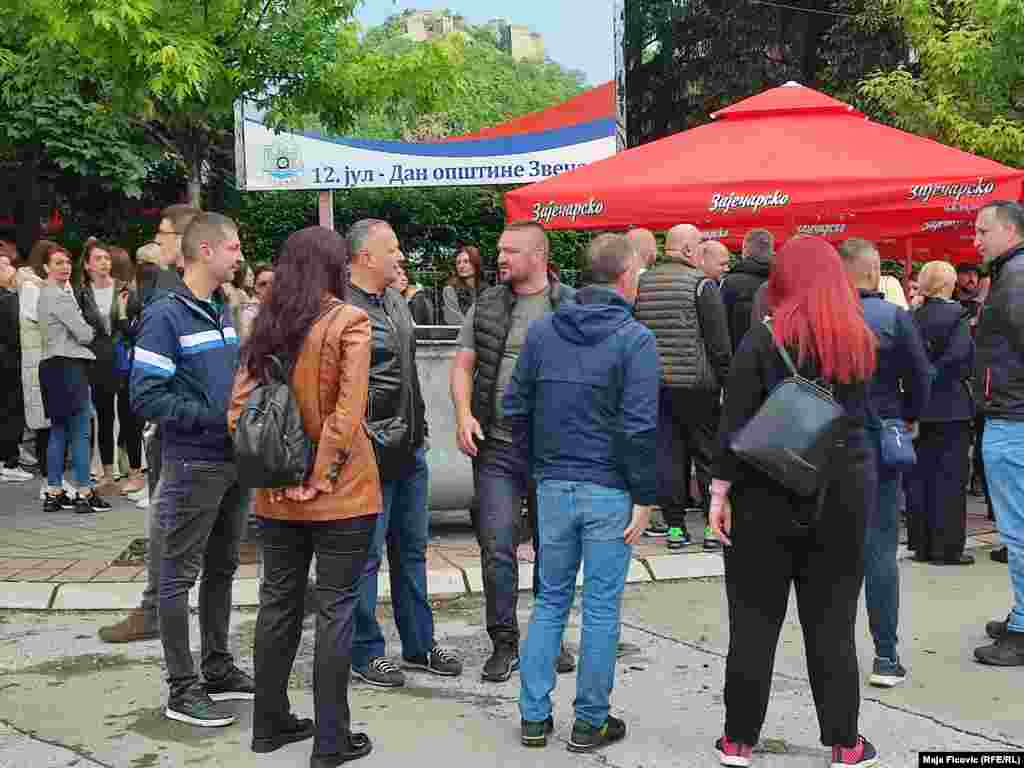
[327,208]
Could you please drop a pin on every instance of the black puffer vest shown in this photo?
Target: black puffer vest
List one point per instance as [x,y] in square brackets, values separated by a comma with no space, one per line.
[667,304]
[491,323]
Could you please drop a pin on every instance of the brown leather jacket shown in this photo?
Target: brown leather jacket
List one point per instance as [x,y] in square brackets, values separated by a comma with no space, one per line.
[330,383]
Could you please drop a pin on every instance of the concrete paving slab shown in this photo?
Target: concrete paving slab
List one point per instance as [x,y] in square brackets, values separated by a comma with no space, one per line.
[25,595]
[687,566]
[445,583]
[98,596]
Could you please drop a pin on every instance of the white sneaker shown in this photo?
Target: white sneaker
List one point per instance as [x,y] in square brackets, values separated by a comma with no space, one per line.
[143,503]
[138,495]
[42,491]
[14,475]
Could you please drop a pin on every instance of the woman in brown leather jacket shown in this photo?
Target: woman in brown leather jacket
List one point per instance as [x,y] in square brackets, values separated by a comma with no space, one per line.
[333,514]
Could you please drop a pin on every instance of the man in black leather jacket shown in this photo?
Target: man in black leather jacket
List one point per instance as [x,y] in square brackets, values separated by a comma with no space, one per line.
[395,416]
[999,386]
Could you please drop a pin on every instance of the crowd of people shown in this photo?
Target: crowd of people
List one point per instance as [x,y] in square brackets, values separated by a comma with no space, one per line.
[599,406]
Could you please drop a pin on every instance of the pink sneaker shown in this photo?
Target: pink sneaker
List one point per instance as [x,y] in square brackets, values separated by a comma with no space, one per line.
[733,754]
[862,754]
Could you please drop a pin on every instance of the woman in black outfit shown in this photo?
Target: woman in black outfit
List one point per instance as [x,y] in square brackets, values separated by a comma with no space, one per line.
[937,486]
[774,538]
[104,305]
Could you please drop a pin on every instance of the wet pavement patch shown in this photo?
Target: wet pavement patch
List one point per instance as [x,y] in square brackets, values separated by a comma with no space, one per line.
[150,723]
[86,664]
[146,760]
[484,701]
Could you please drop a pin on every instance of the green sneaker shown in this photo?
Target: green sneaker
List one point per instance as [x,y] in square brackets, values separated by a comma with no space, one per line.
[535,732]
[677,538]
[711,542]
[586,737]
[195,707]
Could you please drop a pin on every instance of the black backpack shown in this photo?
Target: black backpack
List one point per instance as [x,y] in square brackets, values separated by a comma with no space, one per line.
[272,449]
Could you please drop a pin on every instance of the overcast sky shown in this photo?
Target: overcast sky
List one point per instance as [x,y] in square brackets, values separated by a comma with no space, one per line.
[577,33]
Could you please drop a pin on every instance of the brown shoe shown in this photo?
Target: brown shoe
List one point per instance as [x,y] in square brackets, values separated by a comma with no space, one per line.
[137,625]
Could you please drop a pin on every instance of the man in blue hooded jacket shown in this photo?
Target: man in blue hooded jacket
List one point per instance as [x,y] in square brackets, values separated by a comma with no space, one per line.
[583,402]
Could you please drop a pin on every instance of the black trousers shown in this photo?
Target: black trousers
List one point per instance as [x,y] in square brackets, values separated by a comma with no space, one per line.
[341,548]
[129,434]
[691,417]
[776,544]
[937,489]
[978,463]
[103,401]
[12,417]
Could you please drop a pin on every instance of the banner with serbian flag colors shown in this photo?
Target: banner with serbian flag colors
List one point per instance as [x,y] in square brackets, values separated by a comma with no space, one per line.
[532,147]
[790,160]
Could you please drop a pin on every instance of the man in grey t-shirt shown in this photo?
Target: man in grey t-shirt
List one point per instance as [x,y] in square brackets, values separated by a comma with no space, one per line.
[489,344]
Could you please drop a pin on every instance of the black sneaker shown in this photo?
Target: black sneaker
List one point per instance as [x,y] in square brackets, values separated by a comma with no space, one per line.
[440,661]
[288,732]
[656,530]
[566,663]
[503,662]
[195,707]
[1001,555]
[236,685]
[1007,651]
[586,737]
[535,732]
[996,629]
[381,672]
[60,502]
[85,505]
[887,673]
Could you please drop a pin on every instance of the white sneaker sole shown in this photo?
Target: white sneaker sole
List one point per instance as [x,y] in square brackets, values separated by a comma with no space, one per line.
[376,683]
[232,696]
[181,717]
[866,764]
[736,761]
[428,668]
[886,681]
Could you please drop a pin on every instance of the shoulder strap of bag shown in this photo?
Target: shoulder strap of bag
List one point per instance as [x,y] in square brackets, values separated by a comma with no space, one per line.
[782,350]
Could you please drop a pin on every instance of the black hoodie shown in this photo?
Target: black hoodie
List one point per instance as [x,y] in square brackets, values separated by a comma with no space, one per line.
[739,288]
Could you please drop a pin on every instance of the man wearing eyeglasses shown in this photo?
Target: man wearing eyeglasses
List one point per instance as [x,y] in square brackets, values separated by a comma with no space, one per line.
[142,622]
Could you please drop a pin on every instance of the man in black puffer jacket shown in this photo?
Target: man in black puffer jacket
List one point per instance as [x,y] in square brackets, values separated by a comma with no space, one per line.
[740,286]
[999,384]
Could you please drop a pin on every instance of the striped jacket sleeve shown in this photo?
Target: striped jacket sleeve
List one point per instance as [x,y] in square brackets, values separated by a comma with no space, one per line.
[154,394]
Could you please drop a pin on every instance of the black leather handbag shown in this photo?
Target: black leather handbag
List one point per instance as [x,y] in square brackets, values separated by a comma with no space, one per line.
[793,433]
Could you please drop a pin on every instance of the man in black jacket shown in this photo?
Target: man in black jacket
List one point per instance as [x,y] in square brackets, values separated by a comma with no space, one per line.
[397,421]
[684,310]
[999,383]
[740,286]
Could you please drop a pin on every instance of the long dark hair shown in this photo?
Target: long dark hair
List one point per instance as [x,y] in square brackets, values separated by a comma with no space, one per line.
[455,281]
[311,266]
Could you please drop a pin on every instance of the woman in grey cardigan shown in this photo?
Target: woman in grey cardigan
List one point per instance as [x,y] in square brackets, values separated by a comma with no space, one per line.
[63,375]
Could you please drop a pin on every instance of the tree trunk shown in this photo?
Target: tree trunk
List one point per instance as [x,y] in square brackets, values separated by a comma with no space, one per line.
[195,183]
[27,205]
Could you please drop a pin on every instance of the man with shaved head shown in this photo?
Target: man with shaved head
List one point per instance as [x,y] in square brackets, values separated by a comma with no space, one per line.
[740,288]
[645,245]
[898,391]
[713,258]
[684,310]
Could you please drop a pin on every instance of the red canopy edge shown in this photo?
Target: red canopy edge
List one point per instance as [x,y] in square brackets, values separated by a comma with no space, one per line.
[790,160]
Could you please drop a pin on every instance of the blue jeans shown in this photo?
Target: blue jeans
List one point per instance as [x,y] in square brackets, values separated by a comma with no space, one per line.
[881,571]
[72,431]
[403,525]
[577,521]
[1004,470]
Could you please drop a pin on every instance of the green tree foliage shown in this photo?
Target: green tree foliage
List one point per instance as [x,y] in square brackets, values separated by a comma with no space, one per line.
[967,88]
[487,88]
[178,66]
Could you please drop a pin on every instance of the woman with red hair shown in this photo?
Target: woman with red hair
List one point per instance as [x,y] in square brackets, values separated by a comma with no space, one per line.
[774,538]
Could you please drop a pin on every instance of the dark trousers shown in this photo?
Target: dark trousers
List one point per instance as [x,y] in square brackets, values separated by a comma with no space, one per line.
[694,418]
[130,432]
[341,548]
[201,512]
[103,401]
[672,476]
[937,489]
[501,483]
[12,417]
[978,463]
[776,544]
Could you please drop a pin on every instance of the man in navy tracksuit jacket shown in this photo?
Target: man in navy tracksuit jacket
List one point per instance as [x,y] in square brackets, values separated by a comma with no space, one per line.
[584,402]
[186,355]
[899,389]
